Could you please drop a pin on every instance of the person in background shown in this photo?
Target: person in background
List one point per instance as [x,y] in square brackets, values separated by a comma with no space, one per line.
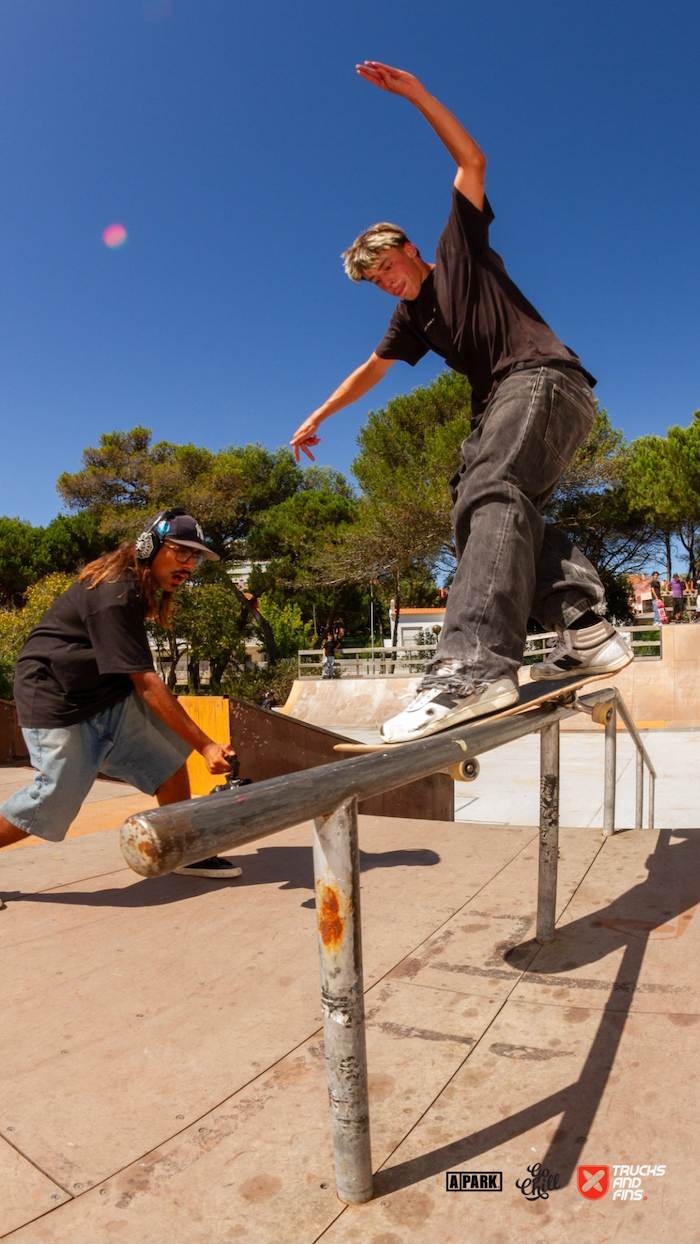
[656,596]
[89,699]
[677,596]
[330,646]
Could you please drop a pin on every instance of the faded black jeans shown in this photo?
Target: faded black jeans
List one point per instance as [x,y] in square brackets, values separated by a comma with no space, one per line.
[511,564]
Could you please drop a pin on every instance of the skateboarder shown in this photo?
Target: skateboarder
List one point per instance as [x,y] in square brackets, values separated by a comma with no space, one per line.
[89,699]
[532,406]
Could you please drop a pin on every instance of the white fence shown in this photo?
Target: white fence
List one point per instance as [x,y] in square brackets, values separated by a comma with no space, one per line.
[400,662]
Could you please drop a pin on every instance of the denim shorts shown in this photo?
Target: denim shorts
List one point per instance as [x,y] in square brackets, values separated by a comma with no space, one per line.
[126,741]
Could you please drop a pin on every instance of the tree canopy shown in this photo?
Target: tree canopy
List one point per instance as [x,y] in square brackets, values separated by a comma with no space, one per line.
[316,548]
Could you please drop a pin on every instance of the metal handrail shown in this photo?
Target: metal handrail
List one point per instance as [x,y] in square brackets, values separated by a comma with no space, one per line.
[156,842]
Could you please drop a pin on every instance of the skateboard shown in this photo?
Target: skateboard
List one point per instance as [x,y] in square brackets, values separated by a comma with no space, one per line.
[532,694]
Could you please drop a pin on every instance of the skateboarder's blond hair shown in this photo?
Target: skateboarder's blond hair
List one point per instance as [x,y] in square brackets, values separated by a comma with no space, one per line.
[359,258]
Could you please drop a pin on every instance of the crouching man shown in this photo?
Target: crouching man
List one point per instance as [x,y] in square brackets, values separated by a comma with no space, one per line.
[89,699]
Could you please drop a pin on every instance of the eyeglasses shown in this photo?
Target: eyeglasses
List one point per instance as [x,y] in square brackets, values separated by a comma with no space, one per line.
[183,554]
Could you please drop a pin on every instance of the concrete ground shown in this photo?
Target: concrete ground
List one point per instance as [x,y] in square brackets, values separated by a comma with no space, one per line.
[507,788]
[506,792]
[163,1076]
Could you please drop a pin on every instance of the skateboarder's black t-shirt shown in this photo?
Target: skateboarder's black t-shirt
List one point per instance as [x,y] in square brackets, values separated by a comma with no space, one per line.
[472,314]
[78,658]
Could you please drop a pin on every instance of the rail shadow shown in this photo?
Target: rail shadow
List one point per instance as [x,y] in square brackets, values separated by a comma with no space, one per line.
[290,868]
[671,890]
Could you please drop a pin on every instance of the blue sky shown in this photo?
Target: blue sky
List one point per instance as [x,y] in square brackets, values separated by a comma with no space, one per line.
[242,154]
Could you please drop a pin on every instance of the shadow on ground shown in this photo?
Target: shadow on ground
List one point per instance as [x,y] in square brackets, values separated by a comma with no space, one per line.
[289,867]
[671,890]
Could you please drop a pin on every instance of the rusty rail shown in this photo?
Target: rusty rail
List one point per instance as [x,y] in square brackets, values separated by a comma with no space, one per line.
[156,842]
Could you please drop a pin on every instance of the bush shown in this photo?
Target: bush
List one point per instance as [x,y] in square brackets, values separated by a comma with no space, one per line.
[7,672]
[16,624]
[253,684]
[288,627]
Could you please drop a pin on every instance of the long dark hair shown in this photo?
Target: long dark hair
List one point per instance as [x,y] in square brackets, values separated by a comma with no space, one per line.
[110,567]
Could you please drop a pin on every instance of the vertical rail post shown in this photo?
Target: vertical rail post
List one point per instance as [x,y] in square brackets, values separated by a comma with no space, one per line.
[337,880]
[549,832]
[639,791]
[610,772]
[652,789]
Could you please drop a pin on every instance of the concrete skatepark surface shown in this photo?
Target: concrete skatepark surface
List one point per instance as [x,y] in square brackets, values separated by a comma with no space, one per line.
[163,1073]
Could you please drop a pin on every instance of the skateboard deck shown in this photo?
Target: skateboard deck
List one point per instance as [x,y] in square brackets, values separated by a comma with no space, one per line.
[532,694]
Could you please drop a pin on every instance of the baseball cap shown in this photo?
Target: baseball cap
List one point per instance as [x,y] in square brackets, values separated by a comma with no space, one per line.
[184,529]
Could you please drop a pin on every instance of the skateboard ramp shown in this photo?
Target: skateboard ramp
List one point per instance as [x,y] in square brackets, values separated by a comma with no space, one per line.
[348,703]
[658,693]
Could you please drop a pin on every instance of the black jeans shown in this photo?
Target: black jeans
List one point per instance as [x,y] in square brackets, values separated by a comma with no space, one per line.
[511,564]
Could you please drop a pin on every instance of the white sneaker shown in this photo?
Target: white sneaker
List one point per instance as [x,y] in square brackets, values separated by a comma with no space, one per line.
[598,649]
[435,709]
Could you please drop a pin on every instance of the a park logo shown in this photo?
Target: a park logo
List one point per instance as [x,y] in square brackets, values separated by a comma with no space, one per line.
[474,1181]
[593,1181]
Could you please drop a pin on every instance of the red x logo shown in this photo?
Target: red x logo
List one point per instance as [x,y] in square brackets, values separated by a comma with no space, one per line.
[593,1181]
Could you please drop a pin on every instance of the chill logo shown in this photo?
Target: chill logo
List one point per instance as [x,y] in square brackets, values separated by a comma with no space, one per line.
[627,1181]
[540,1183]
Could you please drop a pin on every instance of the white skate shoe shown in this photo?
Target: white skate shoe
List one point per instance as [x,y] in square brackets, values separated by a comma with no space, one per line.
[598,649]
[437,709]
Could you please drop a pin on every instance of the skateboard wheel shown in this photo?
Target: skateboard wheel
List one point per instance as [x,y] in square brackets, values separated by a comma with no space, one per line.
[465,771]
[602,713]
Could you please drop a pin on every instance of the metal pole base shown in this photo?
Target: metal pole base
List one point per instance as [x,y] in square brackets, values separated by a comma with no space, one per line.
[337,871]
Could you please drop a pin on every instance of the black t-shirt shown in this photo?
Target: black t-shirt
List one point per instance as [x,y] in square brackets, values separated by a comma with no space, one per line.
[330,647]
[470,312]
[78,658]
[656,588]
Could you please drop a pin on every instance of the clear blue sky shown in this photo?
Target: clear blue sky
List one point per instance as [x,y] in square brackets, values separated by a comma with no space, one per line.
[242,153]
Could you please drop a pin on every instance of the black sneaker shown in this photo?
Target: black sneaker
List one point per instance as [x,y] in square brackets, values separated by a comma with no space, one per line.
[216,867]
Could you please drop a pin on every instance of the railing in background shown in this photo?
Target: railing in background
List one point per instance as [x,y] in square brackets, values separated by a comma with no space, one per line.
[402,661]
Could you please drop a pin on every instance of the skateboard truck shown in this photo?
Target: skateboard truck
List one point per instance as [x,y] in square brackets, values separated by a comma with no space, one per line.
[601,712]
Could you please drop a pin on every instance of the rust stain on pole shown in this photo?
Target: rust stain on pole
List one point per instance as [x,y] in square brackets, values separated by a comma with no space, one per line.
[330,922]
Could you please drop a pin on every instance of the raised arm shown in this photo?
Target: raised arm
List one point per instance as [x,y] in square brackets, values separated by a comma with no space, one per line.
[469,158]
[357,384]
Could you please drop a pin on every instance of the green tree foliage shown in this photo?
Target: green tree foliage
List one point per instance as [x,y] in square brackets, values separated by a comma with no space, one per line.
[125,479]
[664,481]
[291,537]
[593,504]
[19,544]
[209,624]
[408,452]
[29,553]
[288,626]
[15,624]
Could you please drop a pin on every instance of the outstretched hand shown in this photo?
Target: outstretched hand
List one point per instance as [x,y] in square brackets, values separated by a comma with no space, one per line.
[396,81]
[304,437]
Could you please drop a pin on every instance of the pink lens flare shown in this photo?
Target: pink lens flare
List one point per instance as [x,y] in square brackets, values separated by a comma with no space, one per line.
[114,235]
